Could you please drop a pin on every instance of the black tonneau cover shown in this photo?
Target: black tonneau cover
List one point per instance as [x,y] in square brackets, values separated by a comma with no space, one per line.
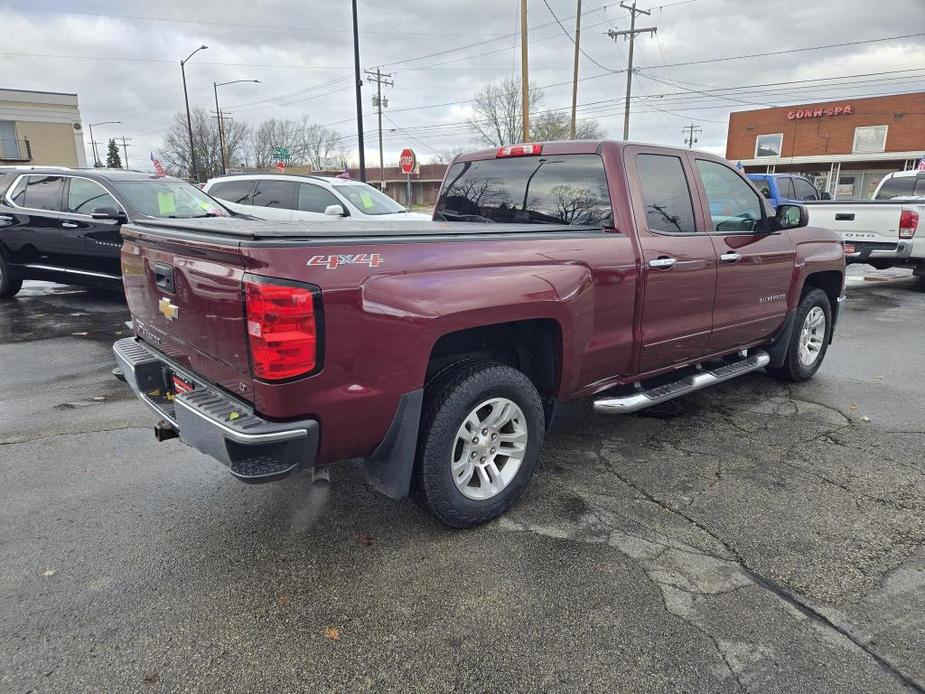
[260,229]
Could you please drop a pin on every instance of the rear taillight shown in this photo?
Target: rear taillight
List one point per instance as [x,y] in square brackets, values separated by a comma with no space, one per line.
[282,329]
[518,151]
[908,223]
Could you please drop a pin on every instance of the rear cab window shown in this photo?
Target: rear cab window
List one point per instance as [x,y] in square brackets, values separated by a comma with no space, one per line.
[666,193]
[902,187]
[569,189]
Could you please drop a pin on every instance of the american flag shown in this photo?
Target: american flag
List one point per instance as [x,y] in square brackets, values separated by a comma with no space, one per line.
[158,167]
[921,166]
[344,173]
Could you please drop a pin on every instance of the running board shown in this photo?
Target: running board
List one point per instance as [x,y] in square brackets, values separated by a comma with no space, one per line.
[703,379]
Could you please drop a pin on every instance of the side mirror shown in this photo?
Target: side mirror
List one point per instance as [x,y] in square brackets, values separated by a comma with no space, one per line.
[335,211]
[825,195]
[110,213]
[791,216]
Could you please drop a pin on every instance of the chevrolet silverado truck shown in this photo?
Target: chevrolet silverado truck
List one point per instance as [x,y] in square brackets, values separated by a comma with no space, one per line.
[438,351]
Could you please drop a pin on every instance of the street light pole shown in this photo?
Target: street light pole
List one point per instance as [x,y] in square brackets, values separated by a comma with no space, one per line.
[96,155]
[189,119]
[218,114]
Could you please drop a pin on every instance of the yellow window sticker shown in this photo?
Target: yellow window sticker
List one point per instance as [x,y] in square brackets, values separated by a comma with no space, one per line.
[166,203]
[367,200]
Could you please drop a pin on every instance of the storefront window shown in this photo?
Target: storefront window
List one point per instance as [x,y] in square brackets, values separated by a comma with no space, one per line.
[768,145]
[870,139]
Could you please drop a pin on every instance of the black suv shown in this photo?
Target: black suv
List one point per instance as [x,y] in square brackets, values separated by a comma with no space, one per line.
[62,225]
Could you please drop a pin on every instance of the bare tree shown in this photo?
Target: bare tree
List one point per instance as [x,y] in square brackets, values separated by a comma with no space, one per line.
[554,125]
[176,150]
[274,133]
[497,118]
[322,146]
[445,156]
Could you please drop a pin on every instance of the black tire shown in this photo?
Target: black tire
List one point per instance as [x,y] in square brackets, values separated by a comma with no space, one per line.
[9,286]
[448,400]
[793,369]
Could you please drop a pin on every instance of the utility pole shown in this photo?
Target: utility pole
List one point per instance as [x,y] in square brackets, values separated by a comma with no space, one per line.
[381,79]
[93,143]
[692,131]
[575,70]
[359,85]
[524,74]
[125,147]
[631,36]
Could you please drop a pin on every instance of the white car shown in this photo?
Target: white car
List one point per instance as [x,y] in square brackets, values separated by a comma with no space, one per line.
[291,197]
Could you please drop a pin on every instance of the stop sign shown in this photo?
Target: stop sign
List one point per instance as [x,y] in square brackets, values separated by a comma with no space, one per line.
[407,161]
[281,166]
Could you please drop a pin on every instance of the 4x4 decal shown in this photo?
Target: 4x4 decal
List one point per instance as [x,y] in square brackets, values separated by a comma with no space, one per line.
[332,262]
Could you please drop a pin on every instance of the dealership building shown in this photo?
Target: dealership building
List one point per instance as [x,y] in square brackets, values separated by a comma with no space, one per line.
[845,147]
[40,129]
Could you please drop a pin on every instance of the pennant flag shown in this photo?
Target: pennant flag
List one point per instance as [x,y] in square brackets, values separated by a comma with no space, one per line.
[921,166]
[344,173]
[739,166]
[158,167]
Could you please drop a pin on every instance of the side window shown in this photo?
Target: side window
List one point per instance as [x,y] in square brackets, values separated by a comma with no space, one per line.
[233,191]
[280,194]
[42,193]
[734,206]
[804,190]
[666,193]
[785,187]
[764,187]
[18,194]
[314,198]
[85,197]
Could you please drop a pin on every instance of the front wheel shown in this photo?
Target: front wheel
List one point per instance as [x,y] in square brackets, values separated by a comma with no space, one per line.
[9,285]
[809,340]
[481,434]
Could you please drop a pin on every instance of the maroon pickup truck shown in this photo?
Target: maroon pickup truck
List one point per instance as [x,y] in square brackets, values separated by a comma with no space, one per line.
[437,351]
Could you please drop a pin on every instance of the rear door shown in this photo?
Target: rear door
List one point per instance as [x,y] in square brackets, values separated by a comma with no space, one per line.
[754,266]
[186,298]
[41,234]
[679,262]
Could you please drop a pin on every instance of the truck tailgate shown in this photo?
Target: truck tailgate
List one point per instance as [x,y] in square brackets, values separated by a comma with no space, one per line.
[186,302]
[866,221]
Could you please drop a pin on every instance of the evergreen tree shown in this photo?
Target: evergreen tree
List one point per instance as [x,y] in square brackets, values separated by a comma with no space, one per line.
[113,160]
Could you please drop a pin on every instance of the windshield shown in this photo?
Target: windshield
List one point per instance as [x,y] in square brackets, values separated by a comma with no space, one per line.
[367,199]
[564,189]
[170,198]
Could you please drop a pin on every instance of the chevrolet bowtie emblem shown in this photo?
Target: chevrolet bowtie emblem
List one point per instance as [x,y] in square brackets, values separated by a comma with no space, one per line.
[169,310]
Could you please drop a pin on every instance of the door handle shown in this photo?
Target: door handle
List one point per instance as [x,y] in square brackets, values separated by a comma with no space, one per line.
[4,218]
[663,262]
[731,257]
[69,225]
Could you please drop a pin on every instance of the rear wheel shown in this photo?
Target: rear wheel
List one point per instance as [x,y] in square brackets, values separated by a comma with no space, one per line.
[9,286]
[480,440]
[809,340]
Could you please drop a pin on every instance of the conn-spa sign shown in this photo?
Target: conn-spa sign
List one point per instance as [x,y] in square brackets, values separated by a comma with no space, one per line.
[820,111]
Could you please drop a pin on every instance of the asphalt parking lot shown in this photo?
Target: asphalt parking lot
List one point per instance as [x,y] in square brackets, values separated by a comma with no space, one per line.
[753,537]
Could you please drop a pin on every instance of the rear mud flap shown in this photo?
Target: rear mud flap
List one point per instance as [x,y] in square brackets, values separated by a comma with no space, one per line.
[388,469]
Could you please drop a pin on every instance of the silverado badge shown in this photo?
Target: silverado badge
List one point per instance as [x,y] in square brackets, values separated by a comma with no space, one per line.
[169,310]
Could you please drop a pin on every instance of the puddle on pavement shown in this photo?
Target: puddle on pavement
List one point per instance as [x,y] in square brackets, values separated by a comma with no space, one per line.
[43,310]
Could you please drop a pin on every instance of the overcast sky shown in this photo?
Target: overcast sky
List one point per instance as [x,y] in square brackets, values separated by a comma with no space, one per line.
[122,58]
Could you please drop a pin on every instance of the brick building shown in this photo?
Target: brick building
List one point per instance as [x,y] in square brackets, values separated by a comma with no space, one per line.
[425,182]
[40,128]
[845,146]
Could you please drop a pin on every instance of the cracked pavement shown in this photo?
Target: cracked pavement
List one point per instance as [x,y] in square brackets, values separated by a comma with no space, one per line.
[753,537]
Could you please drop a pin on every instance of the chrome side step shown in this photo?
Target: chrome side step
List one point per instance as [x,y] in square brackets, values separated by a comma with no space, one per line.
[703,379]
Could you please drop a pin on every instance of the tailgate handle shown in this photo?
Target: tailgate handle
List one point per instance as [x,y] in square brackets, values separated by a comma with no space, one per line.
[844,216]
[163,276]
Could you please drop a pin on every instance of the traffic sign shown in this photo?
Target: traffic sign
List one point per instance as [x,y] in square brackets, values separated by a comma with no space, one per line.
[281,152]
[407,161]
[281,166]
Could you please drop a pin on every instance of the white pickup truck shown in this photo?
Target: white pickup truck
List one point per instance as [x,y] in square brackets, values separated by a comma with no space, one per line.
[880,232]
